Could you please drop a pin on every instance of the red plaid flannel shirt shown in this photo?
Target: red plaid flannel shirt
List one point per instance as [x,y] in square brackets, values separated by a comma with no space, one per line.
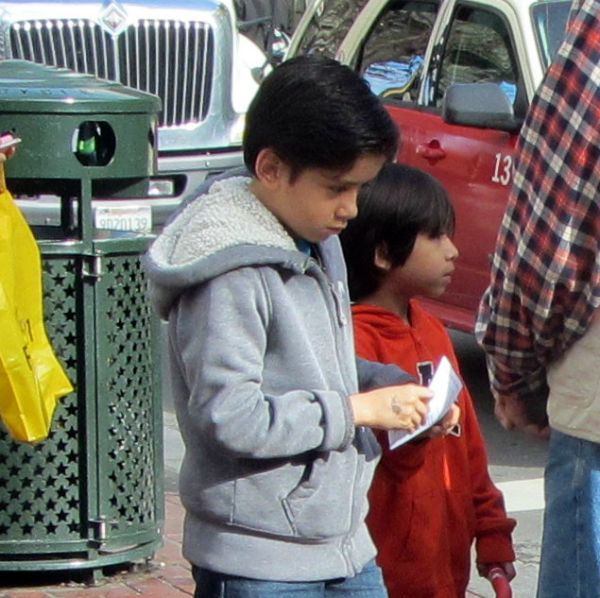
[545,276]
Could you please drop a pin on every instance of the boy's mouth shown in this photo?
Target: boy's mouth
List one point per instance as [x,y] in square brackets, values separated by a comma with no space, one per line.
[335,230]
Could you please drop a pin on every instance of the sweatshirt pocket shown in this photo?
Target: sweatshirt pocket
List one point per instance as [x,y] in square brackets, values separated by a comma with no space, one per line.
[313,501]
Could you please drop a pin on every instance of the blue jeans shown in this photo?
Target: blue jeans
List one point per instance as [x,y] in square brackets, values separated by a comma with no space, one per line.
[366,584]
[570,555]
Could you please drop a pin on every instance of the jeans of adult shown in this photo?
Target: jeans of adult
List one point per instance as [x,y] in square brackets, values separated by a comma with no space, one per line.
[366,584]
[570,554]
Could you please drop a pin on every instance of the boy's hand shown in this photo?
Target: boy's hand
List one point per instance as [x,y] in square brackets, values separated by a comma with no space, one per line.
[508,569]
[447,424]
[392,407]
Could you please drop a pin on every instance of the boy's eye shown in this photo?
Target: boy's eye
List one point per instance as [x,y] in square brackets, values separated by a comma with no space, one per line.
[338,189]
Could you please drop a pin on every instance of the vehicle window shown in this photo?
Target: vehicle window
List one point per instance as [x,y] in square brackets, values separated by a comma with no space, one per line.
[392,54]
[329,26]
[550,22]
[260,19]
[479,50]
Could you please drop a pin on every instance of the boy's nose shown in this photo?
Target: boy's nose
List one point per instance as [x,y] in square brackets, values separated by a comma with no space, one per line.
[348,208]
[451,249]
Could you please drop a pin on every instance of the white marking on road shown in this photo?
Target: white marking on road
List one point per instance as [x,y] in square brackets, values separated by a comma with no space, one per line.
[523,495]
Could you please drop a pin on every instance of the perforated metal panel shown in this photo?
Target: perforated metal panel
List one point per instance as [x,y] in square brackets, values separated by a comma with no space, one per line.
[126,392]
[40,499]
[92,493]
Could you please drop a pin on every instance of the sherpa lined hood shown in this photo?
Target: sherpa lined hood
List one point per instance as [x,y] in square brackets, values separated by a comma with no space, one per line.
[224,229]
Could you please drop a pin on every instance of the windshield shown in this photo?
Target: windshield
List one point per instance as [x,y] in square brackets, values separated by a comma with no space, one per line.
[549,21]
[329,26]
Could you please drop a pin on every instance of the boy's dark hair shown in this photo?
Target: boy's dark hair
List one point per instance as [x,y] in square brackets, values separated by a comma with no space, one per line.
[393,209]
[313,112]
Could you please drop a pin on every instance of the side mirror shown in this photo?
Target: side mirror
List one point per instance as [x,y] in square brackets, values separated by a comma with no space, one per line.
[482,105]
[279,46]
[272,40]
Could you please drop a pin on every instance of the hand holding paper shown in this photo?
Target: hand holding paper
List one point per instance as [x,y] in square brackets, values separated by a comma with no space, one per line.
[445,386]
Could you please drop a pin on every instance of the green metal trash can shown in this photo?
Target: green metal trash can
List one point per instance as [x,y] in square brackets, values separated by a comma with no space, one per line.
[91,495]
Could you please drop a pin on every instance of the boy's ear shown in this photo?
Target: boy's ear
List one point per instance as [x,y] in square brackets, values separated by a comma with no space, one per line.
[268,167]
[381,259]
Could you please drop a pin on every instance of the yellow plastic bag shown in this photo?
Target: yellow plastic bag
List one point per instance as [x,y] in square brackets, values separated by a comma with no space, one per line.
[31,378]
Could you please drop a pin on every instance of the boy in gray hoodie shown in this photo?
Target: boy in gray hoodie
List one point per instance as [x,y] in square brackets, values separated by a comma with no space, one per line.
[273,407]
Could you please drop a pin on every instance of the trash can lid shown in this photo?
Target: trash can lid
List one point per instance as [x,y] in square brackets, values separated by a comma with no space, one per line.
[30,87]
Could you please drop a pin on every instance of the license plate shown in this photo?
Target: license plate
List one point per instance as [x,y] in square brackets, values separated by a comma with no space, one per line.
[136,219]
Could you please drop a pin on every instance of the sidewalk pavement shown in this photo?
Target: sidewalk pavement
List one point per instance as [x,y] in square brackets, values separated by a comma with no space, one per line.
[166,576]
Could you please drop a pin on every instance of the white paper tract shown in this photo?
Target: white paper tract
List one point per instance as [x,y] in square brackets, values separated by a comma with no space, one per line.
[445,385]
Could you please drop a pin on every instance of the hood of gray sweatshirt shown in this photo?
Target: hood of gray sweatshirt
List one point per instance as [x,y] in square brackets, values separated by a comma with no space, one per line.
[227,228]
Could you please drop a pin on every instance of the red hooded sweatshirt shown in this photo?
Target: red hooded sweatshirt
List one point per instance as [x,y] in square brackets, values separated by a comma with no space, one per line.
[430,498]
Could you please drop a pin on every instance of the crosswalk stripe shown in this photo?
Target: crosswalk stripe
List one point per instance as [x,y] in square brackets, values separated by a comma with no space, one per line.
[523,495]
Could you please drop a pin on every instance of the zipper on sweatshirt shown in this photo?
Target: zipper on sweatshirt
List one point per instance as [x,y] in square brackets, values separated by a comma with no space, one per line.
[335,288]
[345,550]
[338,291]
[335,292]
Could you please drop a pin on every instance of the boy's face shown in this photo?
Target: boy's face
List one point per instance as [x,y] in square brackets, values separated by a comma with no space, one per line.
[317,203]
[427,271]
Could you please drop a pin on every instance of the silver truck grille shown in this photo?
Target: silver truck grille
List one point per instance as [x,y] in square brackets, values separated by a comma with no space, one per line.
[171,59]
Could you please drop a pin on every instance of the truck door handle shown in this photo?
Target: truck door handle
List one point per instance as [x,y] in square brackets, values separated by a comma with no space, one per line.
[431,150]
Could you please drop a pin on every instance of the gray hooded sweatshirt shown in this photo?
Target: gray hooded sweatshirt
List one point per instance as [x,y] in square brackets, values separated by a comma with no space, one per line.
[275,474]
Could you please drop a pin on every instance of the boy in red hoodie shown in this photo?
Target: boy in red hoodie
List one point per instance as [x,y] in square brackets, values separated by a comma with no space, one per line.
[432,497]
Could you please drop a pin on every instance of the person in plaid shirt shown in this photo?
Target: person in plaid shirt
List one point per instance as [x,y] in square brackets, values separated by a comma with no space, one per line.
[538,321]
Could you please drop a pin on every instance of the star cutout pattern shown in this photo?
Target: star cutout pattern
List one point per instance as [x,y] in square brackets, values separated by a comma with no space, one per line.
[104,445]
